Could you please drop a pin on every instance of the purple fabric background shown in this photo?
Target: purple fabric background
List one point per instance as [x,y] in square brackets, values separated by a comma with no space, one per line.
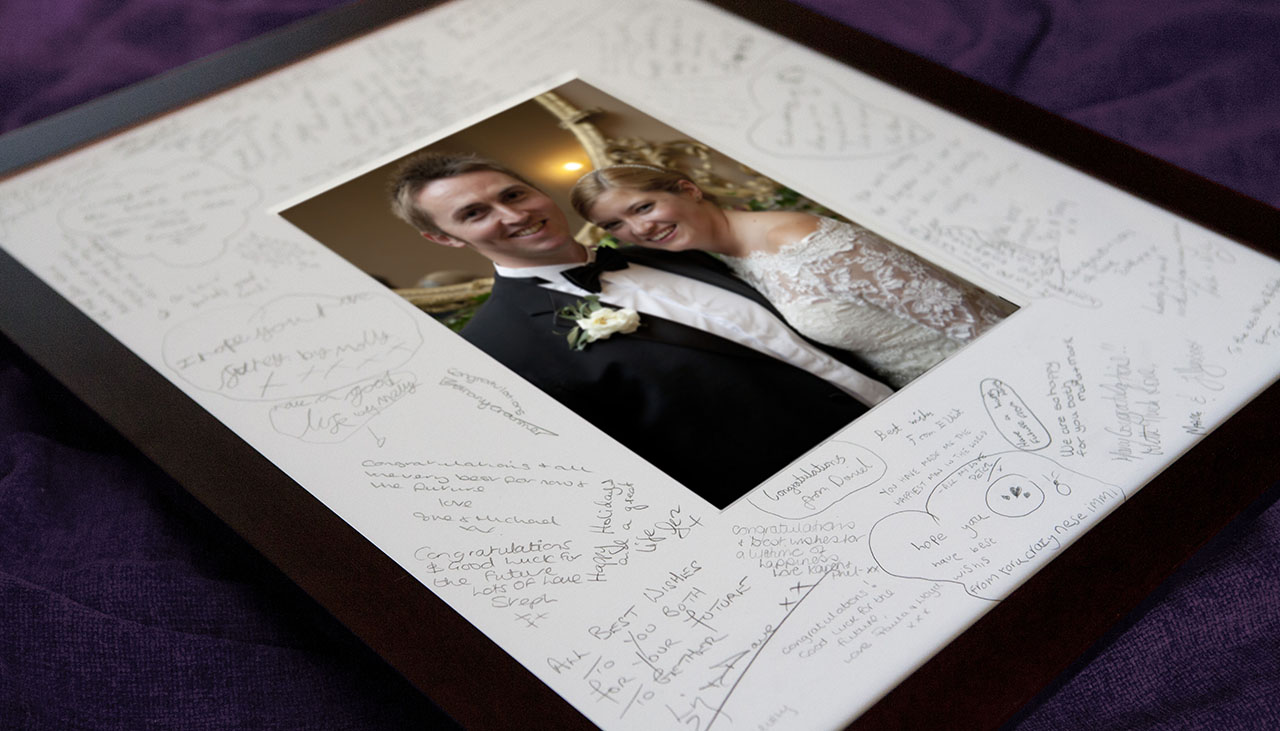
[124,605]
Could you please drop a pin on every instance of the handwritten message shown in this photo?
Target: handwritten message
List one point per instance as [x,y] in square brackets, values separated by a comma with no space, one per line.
[182,215]
[332,417]
[991,522]
[809,116]
[491,397]
[1133,392]
[1068,394]
[662,45]
[826,475]
[296,345]
[1012,417]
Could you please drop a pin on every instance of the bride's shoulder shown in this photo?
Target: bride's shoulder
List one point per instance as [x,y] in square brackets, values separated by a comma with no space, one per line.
[783,228]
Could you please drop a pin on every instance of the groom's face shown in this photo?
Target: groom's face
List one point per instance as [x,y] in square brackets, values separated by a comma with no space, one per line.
[505,220]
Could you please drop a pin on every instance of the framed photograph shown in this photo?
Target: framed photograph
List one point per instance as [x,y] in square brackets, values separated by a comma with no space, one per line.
[889,314]
[719,514]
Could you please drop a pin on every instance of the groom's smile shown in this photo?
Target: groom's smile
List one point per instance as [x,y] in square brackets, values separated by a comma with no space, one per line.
[530,230]
[504,219]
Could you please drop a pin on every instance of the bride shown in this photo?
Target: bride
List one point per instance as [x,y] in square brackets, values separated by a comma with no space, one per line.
[835,282]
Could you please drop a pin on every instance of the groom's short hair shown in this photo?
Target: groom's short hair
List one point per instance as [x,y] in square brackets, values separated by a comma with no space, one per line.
[420,170]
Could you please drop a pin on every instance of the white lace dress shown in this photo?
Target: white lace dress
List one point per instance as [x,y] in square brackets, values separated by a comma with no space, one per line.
[847,287]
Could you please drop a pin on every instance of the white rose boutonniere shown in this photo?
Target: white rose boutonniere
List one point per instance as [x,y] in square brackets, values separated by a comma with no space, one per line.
[605,322]
[593,321]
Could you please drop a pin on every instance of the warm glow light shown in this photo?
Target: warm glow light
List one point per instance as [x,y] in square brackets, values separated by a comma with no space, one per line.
[572,166]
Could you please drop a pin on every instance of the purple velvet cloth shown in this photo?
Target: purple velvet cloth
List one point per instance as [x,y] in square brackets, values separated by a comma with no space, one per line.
[124,605]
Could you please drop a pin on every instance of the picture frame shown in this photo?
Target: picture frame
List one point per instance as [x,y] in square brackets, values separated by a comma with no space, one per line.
[342,554]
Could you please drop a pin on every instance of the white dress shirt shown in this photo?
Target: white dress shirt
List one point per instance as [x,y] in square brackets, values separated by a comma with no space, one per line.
[714,310]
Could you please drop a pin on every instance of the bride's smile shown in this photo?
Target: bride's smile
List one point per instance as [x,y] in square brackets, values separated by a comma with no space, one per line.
[661,234]
[656,218]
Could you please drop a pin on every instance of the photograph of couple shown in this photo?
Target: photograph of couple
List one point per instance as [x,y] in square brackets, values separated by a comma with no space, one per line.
[718,342]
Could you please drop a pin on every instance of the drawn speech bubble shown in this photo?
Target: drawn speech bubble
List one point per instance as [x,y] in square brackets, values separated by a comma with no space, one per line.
[987,525]
[182,215]
[811,116]
[296,345]
[824,477]
[1012,416]
[332,417]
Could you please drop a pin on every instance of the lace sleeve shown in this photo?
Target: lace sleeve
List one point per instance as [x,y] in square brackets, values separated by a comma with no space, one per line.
[842,261]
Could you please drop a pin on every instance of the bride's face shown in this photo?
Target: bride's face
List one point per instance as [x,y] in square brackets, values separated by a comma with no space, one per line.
[656,219]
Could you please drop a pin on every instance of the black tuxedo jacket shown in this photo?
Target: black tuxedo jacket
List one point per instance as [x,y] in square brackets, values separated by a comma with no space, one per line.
[717,416]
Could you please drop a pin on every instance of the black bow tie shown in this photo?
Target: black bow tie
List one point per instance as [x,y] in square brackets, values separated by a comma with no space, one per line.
[587,276]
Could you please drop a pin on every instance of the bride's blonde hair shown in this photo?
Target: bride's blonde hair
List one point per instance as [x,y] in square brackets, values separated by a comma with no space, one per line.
[637,176]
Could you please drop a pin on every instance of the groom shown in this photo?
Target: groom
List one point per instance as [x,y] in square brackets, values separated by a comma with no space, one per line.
[712,387]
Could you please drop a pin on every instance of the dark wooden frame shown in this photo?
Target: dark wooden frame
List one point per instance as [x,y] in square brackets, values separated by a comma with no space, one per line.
[977,681]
